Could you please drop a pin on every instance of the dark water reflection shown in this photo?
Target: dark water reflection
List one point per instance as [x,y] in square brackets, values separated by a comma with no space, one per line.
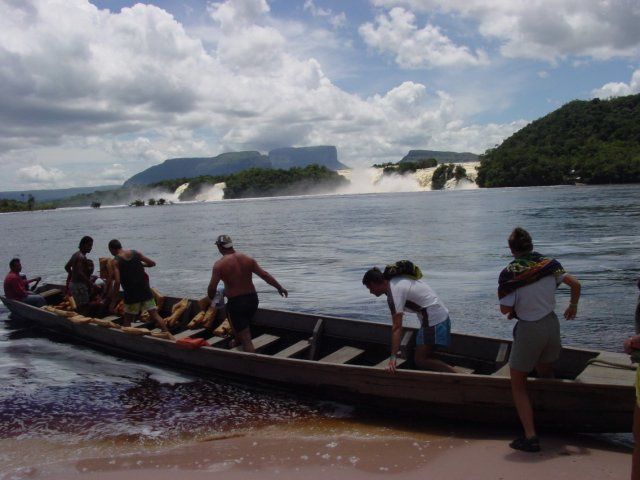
[318,248]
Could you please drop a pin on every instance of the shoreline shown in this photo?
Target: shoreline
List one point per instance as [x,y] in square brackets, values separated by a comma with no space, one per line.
[342,448]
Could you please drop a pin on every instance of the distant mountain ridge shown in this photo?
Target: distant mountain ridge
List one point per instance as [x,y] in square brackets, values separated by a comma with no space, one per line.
[53,194]
[234,162]
[440,156]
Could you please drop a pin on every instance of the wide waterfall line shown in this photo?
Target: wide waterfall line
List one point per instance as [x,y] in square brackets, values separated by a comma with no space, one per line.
[361,180]
[373,180]
[208,193]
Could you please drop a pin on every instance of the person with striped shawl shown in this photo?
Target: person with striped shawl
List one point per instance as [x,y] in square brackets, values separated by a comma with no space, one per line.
[526,290]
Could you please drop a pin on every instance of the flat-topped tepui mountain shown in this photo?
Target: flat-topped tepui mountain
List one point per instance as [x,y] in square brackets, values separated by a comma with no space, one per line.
[234,162]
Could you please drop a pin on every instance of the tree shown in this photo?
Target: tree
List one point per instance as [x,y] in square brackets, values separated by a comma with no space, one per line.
[31,202]
[441,174]
[151,201]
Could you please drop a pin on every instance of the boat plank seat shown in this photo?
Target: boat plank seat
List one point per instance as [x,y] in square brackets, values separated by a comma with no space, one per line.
[189,333]
[343,355]
[385,362]
[460,369]
[217,341]
[407,343]
[609,367]
[260,342]
[294,349]
[503,353]
[51,292]
[503,371]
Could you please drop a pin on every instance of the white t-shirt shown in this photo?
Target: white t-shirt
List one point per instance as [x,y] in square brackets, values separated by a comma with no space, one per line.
[418,297]
[536,300]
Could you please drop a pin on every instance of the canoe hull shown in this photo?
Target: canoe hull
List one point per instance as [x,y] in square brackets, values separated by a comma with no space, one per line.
[558,404]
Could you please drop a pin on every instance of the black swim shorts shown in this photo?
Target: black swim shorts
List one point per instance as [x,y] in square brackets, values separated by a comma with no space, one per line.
[241,310]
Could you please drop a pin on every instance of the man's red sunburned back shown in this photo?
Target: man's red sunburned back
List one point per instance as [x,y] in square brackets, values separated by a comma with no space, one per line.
[236,270]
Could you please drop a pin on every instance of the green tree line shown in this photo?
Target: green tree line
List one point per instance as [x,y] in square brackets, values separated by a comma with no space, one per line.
[592,142]
[7,205]
[406,166]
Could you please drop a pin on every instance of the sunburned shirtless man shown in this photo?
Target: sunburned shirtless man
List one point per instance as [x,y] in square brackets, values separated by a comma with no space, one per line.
[236,270]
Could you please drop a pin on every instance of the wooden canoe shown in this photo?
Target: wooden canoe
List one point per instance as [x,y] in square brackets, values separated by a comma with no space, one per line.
[344,359]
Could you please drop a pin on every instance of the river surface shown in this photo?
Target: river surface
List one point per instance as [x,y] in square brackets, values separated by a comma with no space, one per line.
[56,394]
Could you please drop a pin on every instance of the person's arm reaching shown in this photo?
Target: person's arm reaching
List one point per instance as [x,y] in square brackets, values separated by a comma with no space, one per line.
[146,261]
[213,283]
[266,276]
[574,284]
[396,338]
[116,286]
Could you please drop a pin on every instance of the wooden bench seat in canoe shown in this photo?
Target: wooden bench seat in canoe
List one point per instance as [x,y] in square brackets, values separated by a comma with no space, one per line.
[503,371]
[343,355]
[609,367]
[189,333]
[260,342]
[294,349]
[218,342]
[385,362]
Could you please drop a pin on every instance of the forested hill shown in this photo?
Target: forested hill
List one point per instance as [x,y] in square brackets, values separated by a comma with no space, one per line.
[593,142]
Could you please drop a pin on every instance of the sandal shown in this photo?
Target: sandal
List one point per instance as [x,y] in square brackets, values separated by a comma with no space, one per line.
[524,444]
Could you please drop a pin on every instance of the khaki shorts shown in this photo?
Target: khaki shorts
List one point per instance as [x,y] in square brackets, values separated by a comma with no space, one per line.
[535,342]
[136,308]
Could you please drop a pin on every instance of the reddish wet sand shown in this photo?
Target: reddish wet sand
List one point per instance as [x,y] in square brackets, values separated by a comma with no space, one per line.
[335,449]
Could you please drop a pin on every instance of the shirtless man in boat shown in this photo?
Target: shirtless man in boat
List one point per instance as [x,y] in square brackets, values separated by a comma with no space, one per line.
[79,282]
[236,270]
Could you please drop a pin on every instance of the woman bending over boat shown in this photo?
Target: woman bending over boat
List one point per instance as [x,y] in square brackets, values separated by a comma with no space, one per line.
[406,293]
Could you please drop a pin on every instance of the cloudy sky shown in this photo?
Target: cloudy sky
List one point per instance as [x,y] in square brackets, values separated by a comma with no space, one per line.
[93,92]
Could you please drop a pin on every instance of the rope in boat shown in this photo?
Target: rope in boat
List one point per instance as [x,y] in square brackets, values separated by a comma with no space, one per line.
[608,363]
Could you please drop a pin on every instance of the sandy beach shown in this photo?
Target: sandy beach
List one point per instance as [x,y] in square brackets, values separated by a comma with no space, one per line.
[337,448]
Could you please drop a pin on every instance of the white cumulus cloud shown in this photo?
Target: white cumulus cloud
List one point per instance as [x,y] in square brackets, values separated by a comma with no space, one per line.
[40,174]
[549,30]
[397,33]
[619,89]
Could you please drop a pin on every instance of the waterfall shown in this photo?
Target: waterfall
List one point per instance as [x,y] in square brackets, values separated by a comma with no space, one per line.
[372,180]
[211,193]
[180,189]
